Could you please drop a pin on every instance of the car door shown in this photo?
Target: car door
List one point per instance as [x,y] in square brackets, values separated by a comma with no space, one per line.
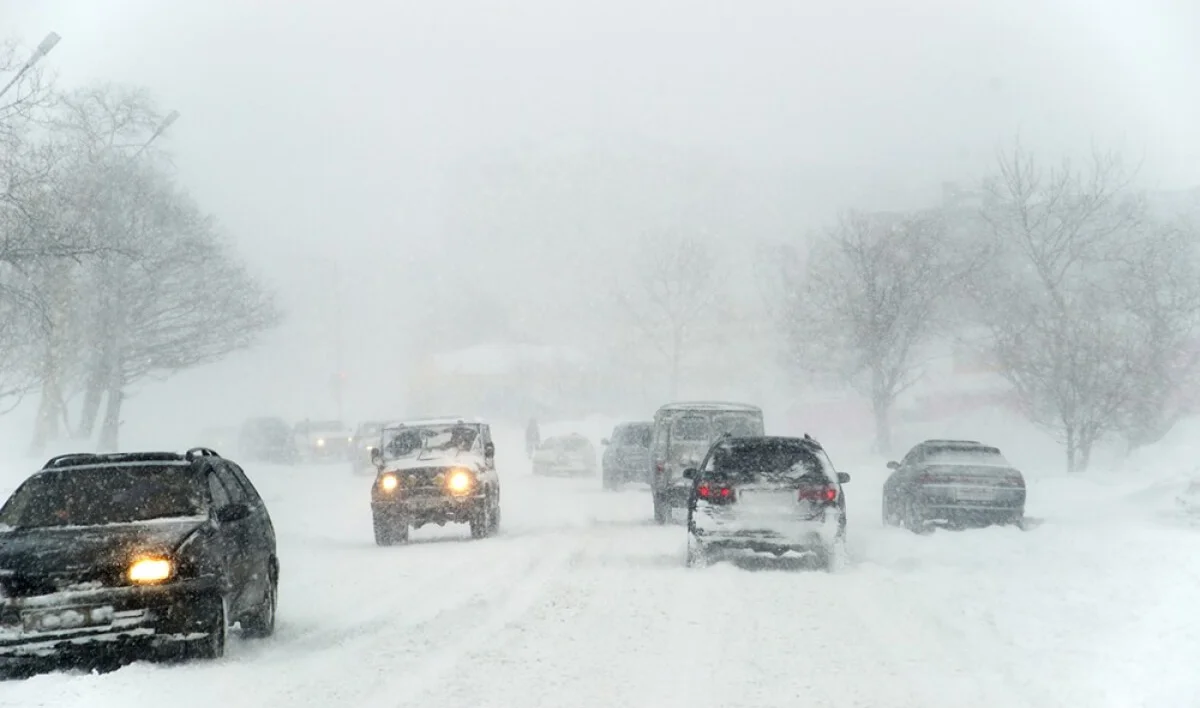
[238,534]
[261,531]
[231,566]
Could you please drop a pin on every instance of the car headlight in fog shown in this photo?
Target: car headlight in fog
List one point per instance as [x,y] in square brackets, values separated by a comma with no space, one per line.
[388,482]
[320,442]
[459,481]
[150,570]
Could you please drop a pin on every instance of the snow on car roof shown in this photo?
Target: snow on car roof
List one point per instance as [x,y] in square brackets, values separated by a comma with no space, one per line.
[447,420]
[710,406]
[462,459]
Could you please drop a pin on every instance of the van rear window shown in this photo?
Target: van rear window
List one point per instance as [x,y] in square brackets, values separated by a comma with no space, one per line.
[690,427]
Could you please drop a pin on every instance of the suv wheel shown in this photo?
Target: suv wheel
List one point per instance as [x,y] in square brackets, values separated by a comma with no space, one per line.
[481,520]
[389,530]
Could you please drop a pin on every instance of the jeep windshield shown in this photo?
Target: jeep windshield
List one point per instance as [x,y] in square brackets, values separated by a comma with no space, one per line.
[105,495]
[427,441]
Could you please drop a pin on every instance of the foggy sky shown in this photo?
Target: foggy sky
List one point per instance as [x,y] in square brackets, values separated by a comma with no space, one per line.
[353,133]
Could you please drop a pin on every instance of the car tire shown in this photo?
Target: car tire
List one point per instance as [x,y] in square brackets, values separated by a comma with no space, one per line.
[890,518]
[481,521]
[389,531]
[261,622]
[914,520]
[213,618]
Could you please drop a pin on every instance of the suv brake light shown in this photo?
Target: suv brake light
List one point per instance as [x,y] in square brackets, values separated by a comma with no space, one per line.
[826,494]
[710,492]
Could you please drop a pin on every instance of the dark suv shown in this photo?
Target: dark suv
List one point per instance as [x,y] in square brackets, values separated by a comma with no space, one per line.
[774,495]
[133,556]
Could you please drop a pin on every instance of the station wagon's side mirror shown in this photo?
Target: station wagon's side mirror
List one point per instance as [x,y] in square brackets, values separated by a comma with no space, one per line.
[893,465]
[604,441]
[232,512]
[376,456]
[843,477]
[691,473]
[489,450]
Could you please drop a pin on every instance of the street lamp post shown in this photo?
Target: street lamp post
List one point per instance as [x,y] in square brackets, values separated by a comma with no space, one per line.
[162,127]
[42,50]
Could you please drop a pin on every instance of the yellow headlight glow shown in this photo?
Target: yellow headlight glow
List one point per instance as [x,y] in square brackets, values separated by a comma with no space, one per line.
[459,481]
[150,570]
[388,482]
[321,442]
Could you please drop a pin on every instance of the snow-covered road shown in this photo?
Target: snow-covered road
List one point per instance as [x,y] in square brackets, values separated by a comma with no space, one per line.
[583,601]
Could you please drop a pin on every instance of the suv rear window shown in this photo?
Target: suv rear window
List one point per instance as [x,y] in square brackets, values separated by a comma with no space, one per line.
[690,427]
[105,495]
[766,460]
[634,437]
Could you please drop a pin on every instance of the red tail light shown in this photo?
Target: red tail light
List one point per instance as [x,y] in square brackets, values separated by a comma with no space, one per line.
[826,494]
[707,491]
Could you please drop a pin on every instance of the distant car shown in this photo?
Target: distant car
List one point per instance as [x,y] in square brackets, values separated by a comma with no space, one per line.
[775,495]
[323,440]
[571,455]
[953,483]
[435,472]
[366,437]
[682,435]
[626,455]
[267,440]
[133,556]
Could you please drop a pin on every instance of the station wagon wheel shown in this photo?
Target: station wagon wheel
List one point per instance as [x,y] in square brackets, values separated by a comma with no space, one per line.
[261,623]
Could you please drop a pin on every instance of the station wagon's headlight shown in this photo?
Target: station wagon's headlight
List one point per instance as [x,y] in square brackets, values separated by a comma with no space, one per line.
[150,570]
[459,481]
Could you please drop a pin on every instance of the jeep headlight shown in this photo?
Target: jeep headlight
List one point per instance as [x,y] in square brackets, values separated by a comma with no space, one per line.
[145,571]
[459,481]
[388,482]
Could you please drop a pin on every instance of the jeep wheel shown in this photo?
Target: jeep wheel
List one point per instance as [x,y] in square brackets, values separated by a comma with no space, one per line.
[495,525]
[390,530]
[481,520]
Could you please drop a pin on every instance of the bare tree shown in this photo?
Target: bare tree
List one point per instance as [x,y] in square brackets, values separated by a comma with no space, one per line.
[1159,289]
[865,303]
[673,300]
[1055,300]
[174,298]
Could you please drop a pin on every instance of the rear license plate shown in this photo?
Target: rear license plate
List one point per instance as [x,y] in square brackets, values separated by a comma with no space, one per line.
[72,618]
[768,500]
[975,494]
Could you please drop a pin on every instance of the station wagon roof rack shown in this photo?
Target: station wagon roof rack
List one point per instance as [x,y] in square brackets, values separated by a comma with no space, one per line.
[77,459]
[200,452]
